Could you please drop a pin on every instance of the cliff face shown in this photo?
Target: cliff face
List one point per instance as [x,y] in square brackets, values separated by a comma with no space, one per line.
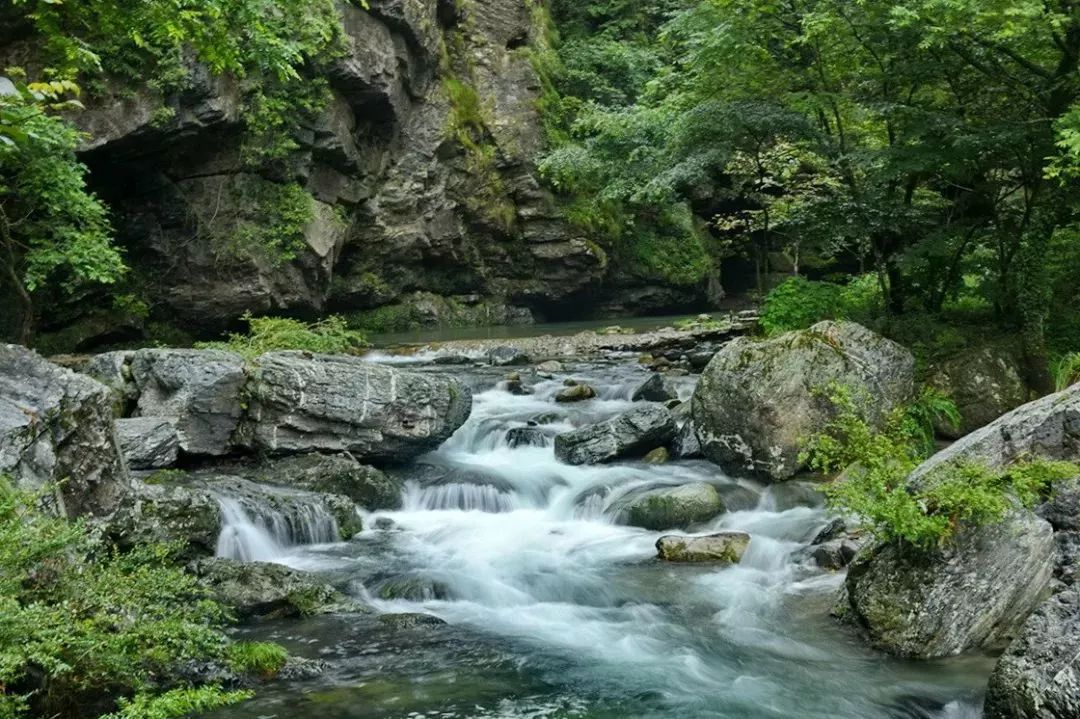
[420,170]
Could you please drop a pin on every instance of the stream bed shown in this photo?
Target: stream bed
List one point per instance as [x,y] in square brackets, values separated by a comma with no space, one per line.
[553,608]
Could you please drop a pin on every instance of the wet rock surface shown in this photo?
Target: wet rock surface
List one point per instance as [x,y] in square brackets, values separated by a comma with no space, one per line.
[674,507]
[637,431]
[722,548]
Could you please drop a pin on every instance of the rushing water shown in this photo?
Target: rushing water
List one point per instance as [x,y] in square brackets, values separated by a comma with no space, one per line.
[557,610]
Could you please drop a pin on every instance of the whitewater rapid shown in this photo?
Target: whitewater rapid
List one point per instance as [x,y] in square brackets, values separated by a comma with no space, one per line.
[512,544]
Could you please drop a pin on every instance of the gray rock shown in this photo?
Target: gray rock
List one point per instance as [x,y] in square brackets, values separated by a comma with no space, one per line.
[636,432]
[1066,558]
[301,402]
[1038,676]
[575,393]
[1062,510]
[550,367]
[1047,428]
[686,444]
[758,399]
[721,548]
[654,389]
[507,356]
[413,589]
[984,382]
[674,507]
[259,590]
[973,594]
[339,474]
[200,388]
[57,426]
[113,369]
[525,437]
[148,442]
[835,554]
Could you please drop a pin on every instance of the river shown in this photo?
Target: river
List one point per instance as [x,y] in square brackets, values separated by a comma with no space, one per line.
[555,609]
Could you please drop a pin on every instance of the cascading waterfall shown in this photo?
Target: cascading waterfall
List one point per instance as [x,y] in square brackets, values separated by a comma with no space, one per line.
[254,533]
[531,552]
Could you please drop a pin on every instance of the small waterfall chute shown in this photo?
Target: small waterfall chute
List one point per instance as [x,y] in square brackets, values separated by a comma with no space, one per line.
[255,533]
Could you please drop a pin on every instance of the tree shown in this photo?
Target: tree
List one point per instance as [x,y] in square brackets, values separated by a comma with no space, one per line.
[53,233]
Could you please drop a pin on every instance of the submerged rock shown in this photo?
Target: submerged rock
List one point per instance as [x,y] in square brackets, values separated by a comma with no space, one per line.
[260,590]
[148,442]
[636,432]
[758,399]
[722,548]
[56,425]
[674,507]
[1038,676]
[413,589]
[410,620]
[302,402]
[973,594]
[201,389]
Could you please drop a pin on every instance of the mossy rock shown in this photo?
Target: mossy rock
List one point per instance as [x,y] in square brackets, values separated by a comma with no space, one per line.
[674,507]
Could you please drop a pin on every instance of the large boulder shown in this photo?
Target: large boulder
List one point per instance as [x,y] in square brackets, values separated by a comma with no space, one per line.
[721,548]
[632,433]
[972,594]
[985,383]
[758,399]
[1048,428]
[674,507]
[301,402]
[1038,677]
[200,388]
[113,369]
[56,428]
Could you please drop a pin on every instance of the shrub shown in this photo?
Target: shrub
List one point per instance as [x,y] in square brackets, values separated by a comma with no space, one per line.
[1066,370]
[798,303]
[876,463]
[262,659]
[268,334]
[84,630]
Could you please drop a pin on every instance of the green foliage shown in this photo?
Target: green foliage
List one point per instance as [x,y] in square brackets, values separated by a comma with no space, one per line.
[797,303]
[468,127]
[177,703]
[54,235]
[261,659]
[331,335]
[876,464]
[272,224]
[82,626]
[1066,370]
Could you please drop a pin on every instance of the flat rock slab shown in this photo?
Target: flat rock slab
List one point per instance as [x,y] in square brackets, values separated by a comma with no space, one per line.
[301,402]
